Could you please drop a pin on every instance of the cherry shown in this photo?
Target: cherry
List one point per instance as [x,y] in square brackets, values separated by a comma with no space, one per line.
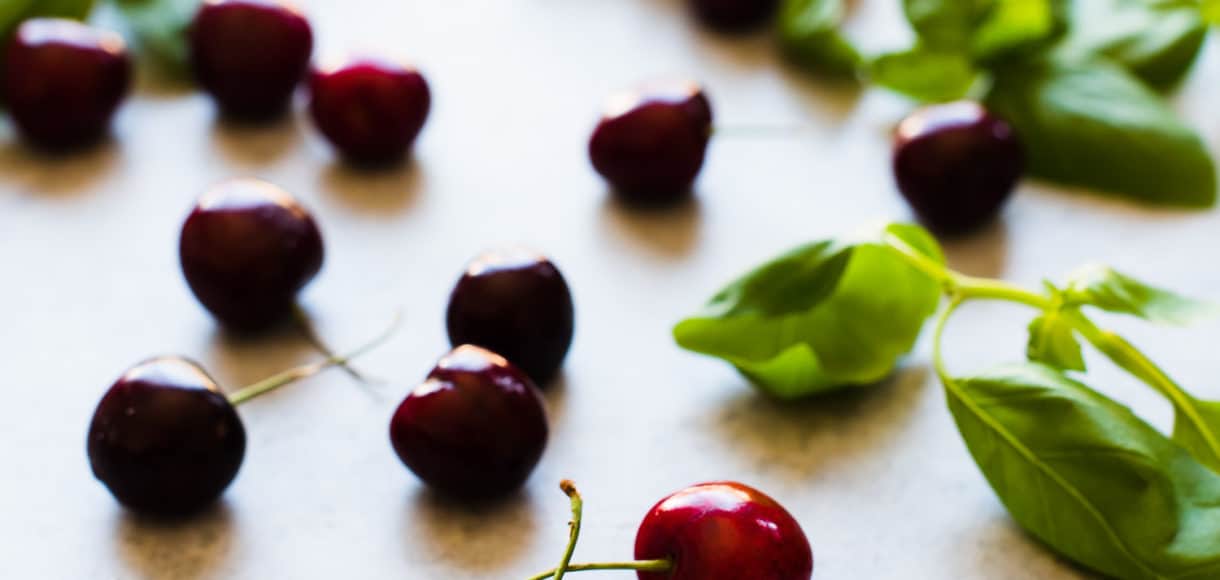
[517,304]
[734,15]
[250,55]
[247,249]
[956,165]
[475,428]
[64,81]
[712,531]
[650,142]
[724,531]
[165,441]
[370,110]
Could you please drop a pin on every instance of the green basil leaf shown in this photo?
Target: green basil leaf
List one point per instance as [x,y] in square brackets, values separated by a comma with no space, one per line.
[1013,25]
[828,315]
[1196,426]
[1092,124]
[924,74]
[1211,11]
[1104,288]
[809,36]
[1052,341]
[982,29]
[1157,40]
[159,29]
[1088,477]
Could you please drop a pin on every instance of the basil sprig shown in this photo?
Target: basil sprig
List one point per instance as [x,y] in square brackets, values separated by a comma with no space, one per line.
[1079,80]
[1092,480]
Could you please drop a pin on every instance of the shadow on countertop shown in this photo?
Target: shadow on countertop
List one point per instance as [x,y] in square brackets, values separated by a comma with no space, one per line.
[799,438]
[189,549]
[482,537]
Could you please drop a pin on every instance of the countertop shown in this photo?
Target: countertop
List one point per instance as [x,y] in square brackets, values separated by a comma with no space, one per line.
[877,476]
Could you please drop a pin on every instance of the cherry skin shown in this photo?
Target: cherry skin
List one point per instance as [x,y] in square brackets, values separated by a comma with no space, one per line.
[956,164]
[734,15]
[474,429]
[247,249]
[517,304]
[370,110]
[250,55]
[164,440]
[723,531]
[650,143]
[64,81]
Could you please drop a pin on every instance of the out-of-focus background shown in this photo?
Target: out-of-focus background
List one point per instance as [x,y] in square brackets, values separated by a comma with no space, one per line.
[877,476]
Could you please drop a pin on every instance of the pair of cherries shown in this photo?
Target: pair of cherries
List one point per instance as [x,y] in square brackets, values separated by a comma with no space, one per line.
[166,441]
[955,164]
[251,55]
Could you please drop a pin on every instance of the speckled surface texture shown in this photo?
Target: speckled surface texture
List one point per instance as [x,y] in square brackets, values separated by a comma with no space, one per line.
[877,476]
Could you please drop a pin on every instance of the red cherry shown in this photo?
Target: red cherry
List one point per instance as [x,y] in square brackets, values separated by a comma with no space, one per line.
[723,531]
[64,81]
[250,54]
[475,428]
[650,142]
[370,110]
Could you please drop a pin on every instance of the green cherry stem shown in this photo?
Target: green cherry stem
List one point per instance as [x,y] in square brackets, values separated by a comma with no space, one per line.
[301,317]
[305,371]
[565,564]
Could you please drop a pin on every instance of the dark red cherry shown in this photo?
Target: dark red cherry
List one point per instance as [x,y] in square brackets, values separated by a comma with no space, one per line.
[64,81]
[956,165]
[370,110]
[723,531]
[650,142]
[247,249]
[164,440]
[517,304]
[475,428]
[250,55]
[734,15]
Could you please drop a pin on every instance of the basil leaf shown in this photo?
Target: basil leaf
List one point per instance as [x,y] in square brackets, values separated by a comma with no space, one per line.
[924,74]
[1052,341]
[159,29]
[1211,11]
[809,36]
[1196,426]
[1092,124]
[1157,40]
[1088,477]
[827,315]
[982,29]
[1104,288]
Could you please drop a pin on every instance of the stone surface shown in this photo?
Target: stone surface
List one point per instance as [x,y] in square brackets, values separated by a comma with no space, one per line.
[878,477]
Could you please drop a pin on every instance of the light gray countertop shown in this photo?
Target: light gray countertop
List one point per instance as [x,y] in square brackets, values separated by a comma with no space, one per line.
[878,477]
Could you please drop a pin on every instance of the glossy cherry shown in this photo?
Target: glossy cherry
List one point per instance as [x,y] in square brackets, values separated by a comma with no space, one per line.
[956,164]
[712,531]
[247,249]
[650,142]
[64,81]
[724,531]
[475,428]
[164,440]
[370,110]
[250,55]
[734,15]
[517,304]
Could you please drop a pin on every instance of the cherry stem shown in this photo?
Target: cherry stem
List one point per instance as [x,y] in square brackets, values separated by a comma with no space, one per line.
[305,371]
[311,334]
[565,564]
